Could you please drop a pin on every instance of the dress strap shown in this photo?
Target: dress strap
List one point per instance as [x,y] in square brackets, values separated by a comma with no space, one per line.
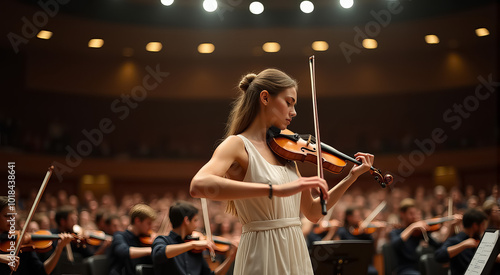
[270,224]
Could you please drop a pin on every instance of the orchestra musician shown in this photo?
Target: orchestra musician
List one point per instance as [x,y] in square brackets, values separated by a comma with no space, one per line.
[406,239]
[127,248]
[28,262]
[66,218]
[460,249]
[173,255]
[265,191]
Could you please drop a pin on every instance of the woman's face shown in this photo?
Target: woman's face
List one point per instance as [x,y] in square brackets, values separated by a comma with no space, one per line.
[281,108]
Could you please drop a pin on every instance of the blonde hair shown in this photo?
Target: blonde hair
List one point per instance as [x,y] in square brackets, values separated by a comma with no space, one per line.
[246,106]
[141,211]
[405,204]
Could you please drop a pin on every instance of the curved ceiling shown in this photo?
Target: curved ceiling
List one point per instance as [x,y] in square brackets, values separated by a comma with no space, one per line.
[233,14]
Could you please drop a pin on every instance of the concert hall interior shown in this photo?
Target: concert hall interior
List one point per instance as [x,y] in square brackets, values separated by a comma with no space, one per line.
[128,100]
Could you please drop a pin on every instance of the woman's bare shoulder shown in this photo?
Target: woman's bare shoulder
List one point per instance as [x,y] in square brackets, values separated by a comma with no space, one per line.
[232,145]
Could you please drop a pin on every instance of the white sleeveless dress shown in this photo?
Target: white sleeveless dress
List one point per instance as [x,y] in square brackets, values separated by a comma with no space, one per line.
[271,242]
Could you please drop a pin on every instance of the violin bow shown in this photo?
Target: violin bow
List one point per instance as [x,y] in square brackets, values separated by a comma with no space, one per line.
[450,214]
[373,214]
[206,221]
[319,157]
[32,210]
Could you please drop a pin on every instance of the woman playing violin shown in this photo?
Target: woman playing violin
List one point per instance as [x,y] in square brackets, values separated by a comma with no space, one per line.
[171,253]
[26,262]
[266,192]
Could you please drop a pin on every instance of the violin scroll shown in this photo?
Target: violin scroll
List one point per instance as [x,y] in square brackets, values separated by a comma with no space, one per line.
[382,180]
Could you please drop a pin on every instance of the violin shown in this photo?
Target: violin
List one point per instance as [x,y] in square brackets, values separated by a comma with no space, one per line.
[367,226]
[434,224]
[325,226]
[369,229]
[96,237]
[40,241]
[147,239]
[222,245]
[292,146]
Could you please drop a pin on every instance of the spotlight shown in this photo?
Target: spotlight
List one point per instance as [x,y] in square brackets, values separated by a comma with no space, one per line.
[306,6]
[346,4]
[210,5]
[167,2]
[256,7]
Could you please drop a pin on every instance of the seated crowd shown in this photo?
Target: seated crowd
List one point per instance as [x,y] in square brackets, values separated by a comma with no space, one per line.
[135,230]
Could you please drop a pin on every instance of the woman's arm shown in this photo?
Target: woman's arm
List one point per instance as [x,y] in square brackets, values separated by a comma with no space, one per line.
[311,208]
[210,182]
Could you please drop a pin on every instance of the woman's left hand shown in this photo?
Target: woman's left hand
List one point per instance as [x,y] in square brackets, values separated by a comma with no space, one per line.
[367,162]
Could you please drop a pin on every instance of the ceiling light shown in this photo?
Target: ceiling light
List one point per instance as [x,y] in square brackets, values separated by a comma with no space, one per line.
[96,43]
[320,46]
[482,32]
[306,6]
[370,44]
[167,2]
[256,7]
[206,48]
[431,39]
[210,5]
[44,34]
[346,4]
[271,47]
[153,47]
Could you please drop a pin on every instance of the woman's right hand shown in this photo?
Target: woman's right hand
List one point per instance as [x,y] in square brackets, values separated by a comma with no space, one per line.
[299,185]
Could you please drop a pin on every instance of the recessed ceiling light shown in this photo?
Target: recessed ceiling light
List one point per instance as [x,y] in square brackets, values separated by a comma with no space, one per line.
[96,43]
[154,47]
[431,39]
[482,32]
[271,47]
[320,46]
[43,34]
[206,48]
[370,43]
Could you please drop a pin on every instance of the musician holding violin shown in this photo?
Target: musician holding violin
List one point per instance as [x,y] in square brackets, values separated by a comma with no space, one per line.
[27,262]
[178,254]
[460,249]
[265,190]
[406,239]
[132,246]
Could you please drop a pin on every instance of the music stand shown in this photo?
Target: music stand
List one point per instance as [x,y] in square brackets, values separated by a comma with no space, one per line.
[486,253]
[341,257]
